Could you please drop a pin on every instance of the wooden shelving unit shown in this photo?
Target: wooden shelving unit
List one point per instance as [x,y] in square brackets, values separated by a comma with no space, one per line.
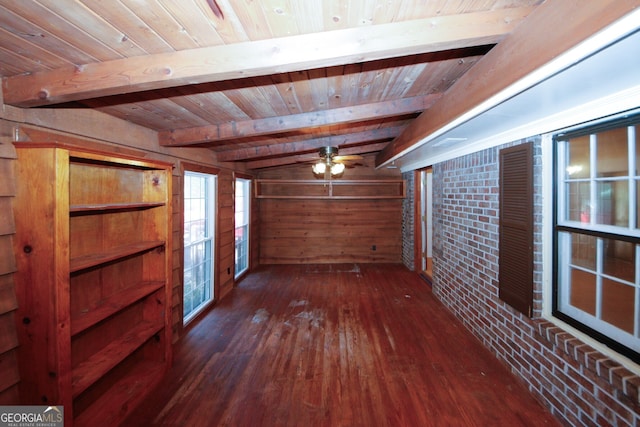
[93,245]
[330,189]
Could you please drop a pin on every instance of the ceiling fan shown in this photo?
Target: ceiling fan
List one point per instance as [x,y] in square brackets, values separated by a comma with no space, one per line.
[331,164]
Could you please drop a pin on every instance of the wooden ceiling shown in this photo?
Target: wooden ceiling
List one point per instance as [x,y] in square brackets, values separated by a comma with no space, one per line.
[265,83]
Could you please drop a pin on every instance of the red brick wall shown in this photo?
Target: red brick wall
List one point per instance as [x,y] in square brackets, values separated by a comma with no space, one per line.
[580,385]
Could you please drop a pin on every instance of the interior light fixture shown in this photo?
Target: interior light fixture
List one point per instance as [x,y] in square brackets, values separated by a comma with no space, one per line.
[322,167]
[337,168]
[327,167]
[319,168]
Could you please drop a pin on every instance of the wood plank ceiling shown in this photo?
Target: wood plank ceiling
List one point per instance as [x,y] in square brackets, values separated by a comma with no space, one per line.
[266,82]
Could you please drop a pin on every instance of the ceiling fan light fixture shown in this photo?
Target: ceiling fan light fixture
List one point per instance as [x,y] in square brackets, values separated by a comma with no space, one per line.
[319,168]
[328,152]
[337,168]
[327,166]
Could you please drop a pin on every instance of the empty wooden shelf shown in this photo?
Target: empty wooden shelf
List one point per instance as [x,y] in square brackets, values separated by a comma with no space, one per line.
[330,189]
[93,251]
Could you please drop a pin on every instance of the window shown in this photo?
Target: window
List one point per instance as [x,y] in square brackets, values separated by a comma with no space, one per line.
[597,232]
[199,232]
[242,225]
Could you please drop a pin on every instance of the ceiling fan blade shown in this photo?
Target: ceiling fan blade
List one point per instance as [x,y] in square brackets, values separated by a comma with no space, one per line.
[351,157]
[350,165]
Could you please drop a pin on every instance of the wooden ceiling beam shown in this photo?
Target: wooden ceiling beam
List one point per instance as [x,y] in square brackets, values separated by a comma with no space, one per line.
[552,29]
[262,57]
[302,158]
[285,148]
[282,124]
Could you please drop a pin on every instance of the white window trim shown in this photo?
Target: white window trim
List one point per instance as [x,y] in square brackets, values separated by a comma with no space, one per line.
[548,179]
[211,208]
[247,207]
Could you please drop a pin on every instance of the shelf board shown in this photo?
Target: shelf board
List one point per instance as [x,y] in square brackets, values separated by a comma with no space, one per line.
[102,207]
[95,367]
[93,260]
[112,305]
[330,189]
[129,392]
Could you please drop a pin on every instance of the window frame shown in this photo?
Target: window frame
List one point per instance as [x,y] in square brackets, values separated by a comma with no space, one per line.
[247,182]
[210,238]
[606,332]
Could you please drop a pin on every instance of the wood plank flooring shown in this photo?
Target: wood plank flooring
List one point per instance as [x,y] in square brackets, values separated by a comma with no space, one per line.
[335,345]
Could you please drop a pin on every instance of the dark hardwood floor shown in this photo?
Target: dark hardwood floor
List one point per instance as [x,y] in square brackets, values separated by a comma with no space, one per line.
[335,345]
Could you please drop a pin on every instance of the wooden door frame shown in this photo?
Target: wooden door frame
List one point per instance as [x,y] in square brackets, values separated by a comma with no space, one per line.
[417,219]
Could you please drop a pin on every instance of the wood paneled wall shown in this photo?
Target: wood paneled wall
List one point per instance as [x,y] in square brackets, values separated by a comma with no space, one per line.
[226,233]
[9,377]
[299,231]
[330,231]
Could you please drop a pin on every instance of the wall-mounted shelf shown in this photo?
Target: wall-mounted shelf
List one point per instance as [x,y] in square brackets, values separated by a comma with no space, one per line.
[80,209]
[112,254]
[112,305]
[330,189]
